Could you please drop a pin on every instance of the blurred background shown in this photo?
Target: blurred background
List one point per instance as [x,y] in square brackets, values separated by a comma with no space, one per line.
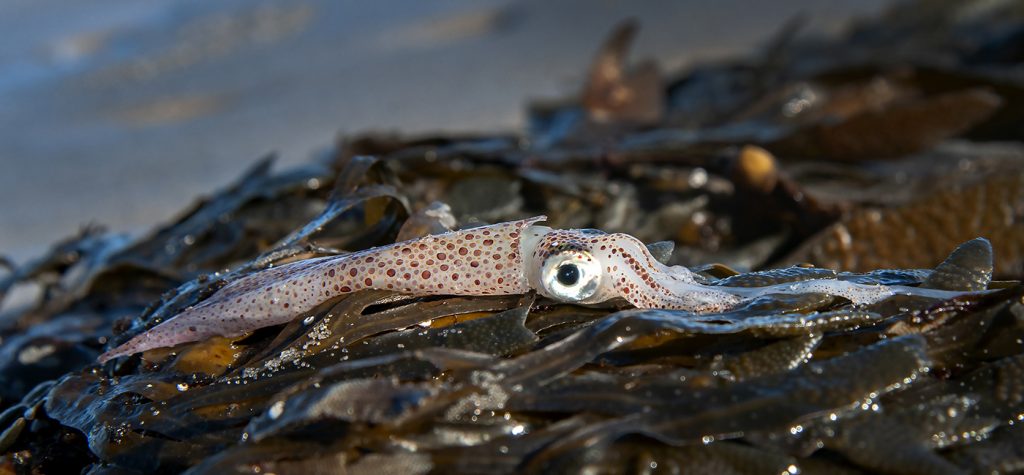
[120,113]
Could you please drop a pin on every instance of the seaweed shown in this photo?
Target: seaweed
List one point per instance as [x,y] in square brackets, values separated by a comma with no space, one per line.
[858,157]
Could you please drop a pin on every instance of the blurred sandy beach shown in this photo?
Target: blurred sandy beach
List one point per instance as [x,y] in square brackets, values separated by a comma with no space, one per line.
[120,113]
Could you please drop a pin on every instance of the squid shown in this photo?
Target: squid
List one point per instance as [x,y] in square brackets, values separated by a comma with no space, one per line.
[572,266]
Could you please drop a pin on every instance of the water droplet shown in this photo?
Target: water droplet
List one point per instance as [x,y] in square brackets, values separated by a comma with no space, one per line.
[276,410]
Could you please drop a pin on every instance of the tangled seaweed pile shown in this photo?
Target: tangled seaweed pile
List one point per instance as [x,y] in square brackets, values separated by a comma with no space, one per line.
[913,140]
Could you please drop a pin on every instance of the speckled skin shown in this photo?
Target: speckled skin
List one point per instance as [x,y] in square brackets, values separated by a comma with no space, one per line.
[500,259]
[479,261]
[629,272]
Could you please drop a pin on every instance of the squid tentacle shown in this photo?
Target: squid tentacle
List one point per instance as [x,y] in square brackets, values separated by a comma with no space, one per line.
[675,286]
[860,294]
[647,283]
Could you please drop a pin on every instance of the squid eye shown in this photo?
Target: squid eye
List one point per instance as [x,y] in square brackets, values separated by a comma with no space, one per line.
[568,274]
[570,277]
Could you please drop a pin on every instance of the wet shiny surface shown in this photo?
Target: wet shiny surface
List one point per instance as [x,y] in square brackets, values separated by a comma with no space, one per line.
[375,381]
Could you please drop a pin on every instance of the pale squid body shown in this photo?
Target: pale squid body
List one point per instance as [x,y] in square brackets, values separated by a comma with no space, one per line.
[574,266]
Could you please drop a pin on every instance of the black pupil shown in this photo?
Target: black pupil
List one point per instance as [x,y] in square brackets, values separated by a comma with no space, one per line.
[568,274]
